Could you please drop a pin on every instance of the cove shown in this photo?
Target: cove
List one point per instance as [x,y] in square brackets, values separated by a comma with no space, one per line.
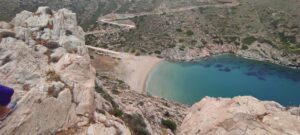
[224,76]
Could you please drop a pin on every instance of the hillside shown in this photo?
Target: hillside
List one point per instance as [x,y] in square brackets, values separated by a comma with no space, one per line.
[89,11]
[265,30]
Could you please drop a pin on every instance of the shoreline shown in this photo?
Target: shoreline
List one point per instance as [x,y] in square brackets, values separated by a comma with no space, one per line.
[238,55]
[291,61]
[134,70]
[148,73]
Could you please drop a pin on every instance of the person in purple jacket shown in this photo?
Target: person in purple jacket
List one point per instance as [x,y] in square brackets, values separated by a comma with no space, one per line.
[6,106]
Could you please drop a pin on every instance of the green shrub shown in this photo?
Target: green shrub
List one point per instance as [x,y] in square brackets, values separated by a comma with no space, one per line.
[171,45]
[218,41]
[181,40]
[116,92]
[244,47]
[287,39]
[249,40]
[104,46]
[236,43]
[182,48]
[132,51]
[105,95]
[99,89]
[262,40]
[231,38]
[189,33]
[157,52]
[203,42]
[169,124]
[51,75]
[91,56]
[136,124]
[117,112]
[126,49]
[120,81]
[179,30]
[141,131]
[194,42]
[52,45]
[296,51]
[6,60]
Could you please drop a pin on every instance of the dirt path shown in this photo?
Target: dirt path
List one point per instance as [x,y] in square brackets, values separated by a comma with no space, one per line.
[112,18]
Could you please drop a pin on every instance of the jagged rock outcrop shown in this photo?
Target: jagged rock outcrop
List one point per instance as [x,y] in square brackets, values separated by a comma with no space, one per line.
[45,60]
[240,115]
[84,9]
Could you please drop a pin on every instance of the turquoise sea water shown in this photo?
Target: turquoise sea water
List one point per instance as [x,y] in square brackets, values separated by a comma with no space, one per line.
[224,76]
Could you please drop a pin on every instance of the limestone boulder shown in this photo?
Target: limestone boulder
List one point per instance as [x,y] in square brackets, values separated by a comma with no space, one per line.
[20,19]
[65,23]
[72,44]
[76,72]
[46,25]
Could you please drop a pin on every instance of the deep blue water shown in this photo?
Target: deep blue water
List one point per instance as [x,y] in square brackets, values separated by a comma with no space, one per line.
[225,76]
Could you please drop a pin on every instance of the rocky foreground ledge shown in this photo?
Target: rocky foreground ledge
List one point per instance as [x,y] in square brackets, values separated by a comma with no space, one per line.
[240,116]
[44,58]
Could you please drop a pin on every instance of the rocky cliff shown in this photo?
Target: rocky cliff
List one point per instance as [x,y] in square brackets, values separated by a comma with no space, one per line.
[240,115]
[44,58]
[84,9]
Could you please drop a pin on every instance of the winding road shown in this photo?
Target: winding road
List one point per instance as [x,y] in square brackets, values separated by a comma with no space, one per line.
[113,17]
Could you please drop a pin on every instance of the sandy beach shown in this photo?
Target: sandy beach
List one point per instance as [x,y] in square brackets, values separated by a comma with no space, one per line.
[134,70]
